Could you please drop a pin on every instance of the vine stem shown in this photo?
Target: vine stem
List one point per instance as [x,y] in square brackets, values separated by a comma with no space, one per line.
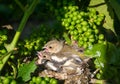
[10,47]
[20,5]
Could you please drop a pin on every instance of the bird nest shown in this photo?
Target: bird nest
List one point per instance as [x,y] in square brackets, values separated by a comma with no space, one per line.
[84,76]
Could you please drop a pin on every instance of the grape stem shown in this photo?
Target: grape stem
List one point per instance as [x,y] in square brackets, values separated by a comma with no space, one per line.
[20,5]
[10,47]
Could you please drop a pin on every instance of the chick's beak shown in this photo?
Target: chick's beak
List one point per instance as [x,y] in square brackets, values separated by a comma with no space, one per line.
[45,49]
[39,54]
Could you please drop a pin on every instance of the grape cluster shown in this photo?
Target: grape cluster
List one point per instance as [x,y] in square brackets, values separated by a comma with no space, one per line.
[37,39]
[3,39]
[82,26]
[7,80]
[43,80]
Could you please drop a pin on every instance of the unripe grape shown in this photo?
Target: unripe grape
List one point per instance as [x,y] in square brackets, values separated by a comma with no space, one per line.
[73,23]
[84,23]
[38,80]
[6,81]
[13,82]
[101,36]
[84,28]
[96,31]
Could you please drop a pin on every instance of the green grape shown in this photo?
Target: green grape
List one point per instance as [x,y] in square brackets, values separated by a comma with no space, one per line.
[13,82]
[99,41]
[85,39]
[91,40]
[75,14]
[31,82]
[82,19]
[38,80]
[12,56]
[69,20]
[43,82]
[101,36]
[84,23]
[66,24]
[71,27]
[78,26]
[80,43]
[98,22]
[3,51]
[91,36]
[6,81]
[99,19]
[75,32]
[82,13]
[75,37]
[77,21]
[73,23]
[94,26]
[47,79]
[98,75]
[85,45]
[34,79]
[96,31]
[54,82]
[87,34]
[71,15]
[94,16]
[4,37]
[80,31]
[84,28]
[79,16]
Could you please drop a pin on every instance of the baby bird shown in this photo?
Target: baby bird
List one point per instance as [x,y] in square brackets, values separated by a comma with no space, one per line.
[65,64]
[61,49]
[45,58]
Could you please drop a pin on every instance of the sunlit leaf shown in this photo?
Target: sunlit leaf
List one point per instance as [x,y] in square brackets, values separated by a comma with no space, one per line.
[104,7]
[99,52]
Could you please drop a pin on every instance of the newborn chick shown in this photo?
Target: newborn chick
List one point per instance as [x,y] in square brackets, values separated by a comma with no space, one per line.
[45,58]
[65,64]
[61,49]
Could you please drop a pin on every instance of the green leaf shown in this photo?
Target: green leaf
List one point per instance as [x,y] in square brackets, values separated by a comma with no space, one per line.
[102,7]
[99,52]
[115,4]
[25,71]
[113,54]
[107,59]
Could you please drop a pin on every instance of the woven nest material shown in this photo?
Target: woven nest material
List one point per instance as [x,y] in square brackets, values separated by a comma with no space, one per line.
[83,77]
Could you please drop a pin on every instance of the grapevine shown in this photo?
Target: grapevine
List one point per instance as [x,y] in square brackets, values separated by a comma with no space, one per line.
[83,26]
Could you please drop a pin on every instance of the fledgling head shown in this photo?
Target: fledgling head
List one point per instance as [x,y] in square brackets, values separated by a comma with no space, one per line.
[42,56]
[53,46]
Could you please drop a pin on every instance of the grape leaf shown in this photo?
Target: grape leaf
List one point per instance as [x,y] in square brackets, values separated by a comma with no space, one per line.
[107,59]
[113,54]
[99,52]
[104,54]
[102,7]
[25,71]
[116,5]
